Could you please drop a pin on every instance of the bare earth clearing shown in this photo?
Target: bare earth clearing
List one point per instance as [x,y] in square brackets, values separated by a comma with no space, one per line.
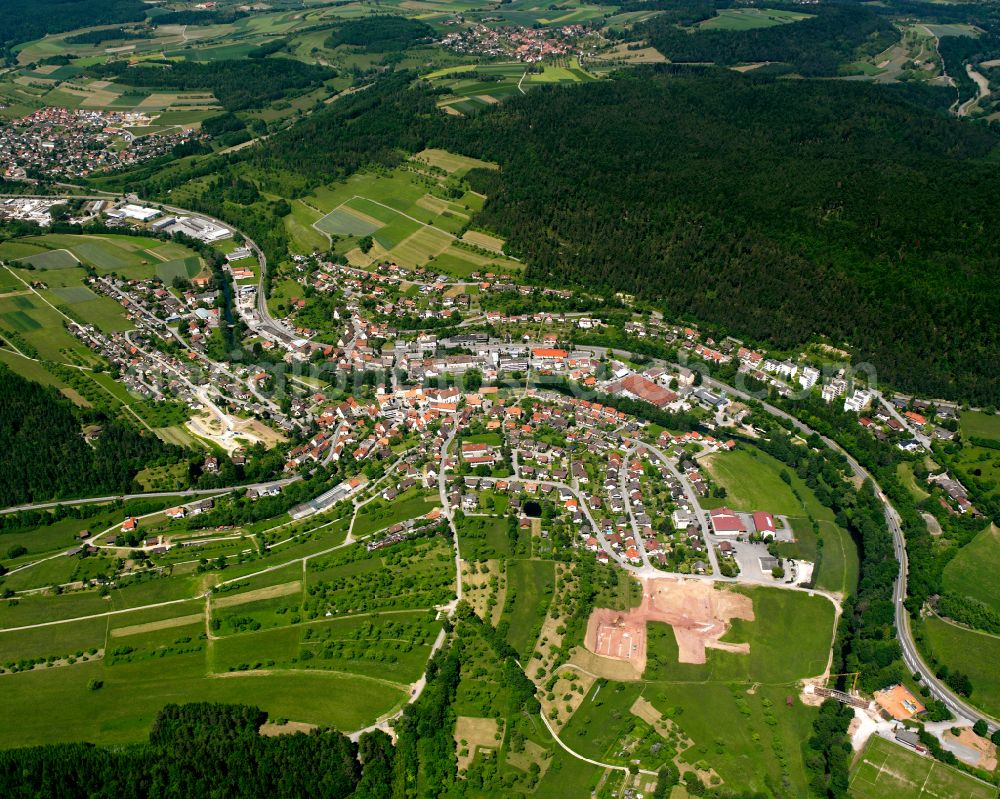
[699,614]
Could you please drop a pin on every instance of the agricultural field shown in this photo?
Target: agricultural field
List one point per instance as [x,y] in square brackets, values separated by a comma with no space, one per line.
[530,585]
[473,87]
[379,513]
[970,652]
[336,621]
[742,19]
[753,481]
[33,326]
[414,216]
[887,769]
[483,538]
[980,425]
[777,655]
[34,318]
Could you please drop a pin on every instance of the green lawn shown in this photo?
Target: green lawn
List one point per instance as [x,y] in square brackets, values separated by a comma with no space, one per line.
[299,224]
[752,481]
[975,570]
[789,639]
[742,19]
[886,769]
[529,592]
[482,538]
[904,471]
[734,708]
[52,259]
[974,653]
[982,425]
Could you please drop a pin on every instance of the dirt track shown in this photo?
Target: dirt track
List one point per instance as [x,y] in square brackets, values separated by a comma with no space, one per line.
[699,613]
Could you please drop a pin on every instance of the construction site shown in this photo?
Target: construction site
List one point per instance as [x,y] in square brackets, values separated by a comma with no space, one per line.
[699,614]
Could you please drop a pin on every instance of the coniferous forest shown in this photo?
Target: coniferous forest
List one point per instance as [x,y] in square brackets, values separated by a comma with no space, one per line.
[784,210]
[46,454]
[193,750]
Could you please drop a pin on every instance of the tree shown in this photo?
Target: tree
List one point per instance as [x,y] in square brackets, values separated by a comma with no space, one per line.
[981,728]
[666,779]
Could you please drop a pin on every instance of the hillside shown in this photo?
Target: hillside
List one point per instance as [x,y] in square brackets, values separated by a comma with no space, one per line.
[46,455]
[776,210]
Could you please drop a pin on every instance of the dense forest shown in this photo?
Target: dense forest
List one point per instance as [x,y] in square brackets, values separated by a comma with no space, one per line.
[779,210]
[46,455]
[238,85]
[815,46]
[381,34]
[193,750]
[24,20]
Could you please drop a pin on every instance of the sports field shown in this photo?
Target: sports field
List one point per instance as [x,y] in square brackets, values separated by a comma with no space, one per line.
[886,769]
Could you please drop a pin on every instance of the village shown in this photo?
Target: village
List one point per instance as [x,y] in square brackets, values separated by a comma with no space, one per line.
[528,45]
[67,143]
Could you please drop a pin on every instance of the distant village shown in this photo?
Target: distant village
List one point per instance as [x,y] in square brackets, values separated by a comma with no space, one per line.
[68,143]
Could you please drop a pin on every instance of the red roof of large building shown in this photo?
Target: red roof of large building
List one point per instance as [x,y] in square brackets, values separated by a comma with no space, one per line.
[763,522]
[644,389]
[725,520]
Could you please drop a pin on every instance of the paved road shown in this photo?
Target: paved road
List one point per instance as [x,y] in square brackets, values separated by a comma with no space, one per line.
[449,514]
[911,655]
[692,497]
[190,492]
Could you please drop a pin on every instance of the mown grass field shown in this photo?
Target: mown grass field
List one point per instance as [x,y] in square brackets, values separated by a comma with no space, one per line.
[483,538]
[886,769]
[266,640]
[789,639]
[56,705]
[975,570]
[974,653]
[412,218]
[734,706]
[752,480]
[742,19]
[379,513]
[981,425]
